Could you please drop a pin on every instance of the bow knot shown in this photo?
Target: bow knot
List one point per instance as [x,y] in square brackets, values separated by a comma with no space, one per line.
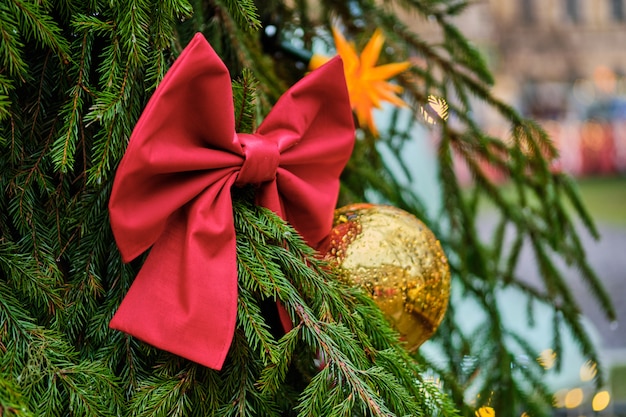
[172,193]
[261,160]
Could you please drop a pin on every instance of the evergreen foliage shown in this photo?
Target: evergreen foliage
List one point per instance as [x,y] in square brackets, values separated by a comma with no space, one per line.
[74,78]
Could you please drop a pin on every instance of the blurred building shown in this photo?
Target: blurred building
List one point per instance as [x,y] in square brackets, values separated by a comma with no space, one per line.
[562,62]
[564,55]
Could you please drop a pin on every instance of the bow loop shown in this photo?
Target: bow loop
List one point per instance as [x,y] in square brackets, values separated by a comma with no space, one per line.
[261,160]
[172,192]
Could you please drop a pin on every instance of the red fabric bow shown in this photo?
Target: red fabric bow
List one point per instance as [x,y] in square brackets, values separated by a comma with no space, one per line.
[172,192]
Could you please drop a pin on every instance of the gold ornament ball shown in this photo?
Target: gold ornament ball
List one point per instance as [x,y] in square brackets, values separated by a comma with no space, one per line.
[398,261]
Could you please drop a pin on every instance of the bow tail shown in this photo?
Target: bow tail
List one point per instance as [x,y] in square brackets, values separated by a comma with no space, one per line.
[184,299]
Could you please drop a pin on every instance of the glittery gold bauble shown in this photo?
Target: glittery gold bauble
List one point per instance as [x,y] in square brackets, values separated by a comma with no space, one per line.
[398,261]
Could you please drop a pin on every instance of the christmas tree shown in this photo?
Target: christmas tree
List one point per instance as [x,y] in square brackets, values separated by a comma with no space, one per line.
[75,78]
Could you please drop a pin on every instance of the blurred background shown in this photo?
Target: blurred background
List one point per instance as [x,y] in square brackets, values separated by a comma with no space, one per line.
[563,63]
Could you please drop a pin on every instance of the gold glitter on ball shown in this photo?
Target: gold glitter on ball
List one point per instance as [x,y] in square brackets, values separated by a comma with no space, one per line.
[398,261]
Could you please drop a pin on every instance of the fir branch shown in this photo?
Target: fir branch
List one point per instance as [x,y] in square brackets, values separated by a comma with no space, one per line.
[59,383]
[41,287]
[40,25]
[94,24]
[11,45]
[164,22]
[116,125]
[273,376]
[163,36]
[328,322]
[44,93]
[465,53]
[257,332]
[244,96]
[240,393]
[11,400]
[245,13]
[164,395]
[64,147]
[158,68]
[5,102]
[339,367]
[17,327]
[104,151]
[568,187]
[133,29]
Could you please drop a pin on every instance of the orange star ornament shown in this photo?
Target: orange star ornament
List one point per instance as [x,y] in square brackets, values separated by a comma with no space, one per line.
[367,83]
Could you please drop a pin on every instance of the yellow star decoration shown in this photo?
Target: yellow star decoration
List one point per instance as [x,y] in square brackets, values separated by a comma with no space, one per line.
[367,83]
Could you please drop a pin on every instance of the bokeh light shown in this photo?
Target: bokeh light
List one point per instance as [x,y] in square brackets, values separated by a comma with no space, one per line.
[485,411]
[574,398]
[547,358]
[588,370]
[601,400]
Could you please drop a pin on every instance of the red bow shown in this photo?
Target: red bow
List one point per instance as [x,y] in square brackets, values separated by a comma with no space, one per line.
[172,192]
